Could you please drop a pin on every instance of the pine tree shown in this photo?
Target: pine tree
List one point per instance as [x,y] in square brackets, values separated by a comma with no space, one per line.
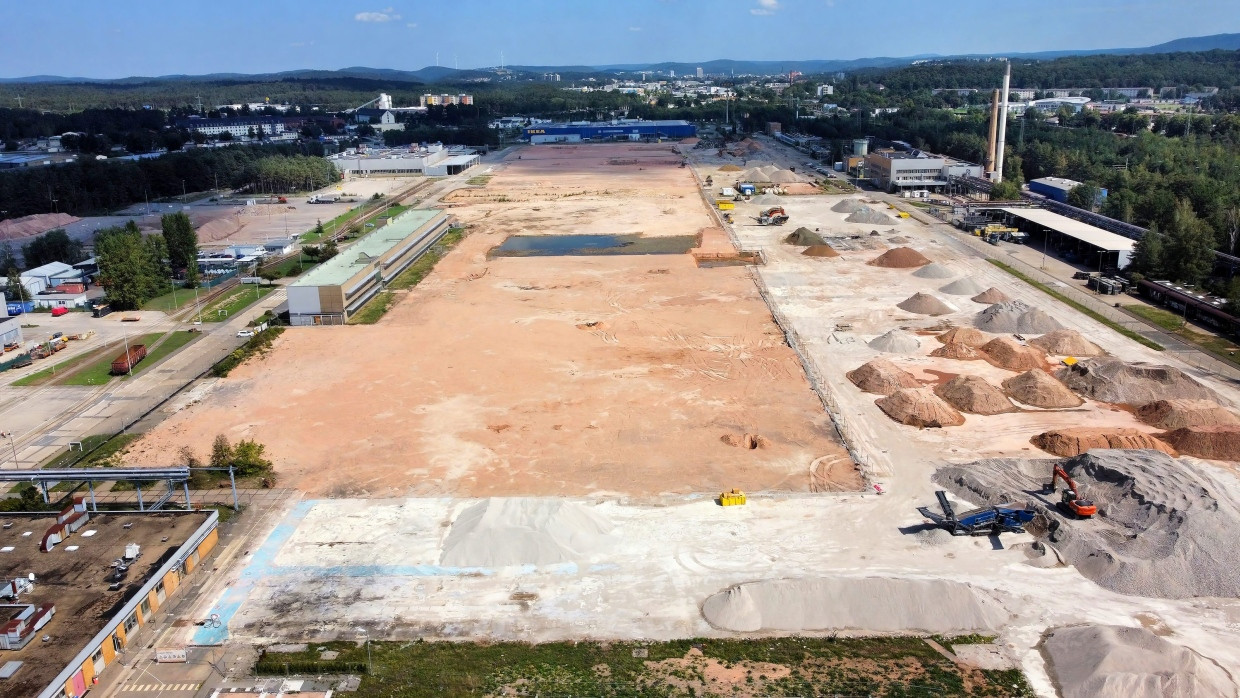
[221,452]
[1190,245]
[13,289]
[1149,255]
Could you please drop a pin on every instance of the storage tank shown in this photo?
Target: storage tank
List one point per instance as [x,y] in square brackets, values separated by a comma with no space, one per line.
[861,147]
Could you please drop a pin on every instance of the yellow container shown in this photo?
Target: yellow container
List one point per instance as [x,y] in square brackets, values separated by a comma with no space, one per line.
[724,204]
[902,214]
[731,498]
[1069,361]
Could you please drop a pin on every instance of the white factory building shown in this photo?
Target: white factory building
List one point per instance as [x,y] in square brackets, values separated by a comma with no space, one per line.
[434,160]
[240,127]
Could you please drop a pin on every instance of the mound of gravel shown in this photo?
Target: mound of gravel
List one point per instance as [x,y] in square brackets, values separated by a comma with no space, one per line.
[767,200]
[1066,343]
[820,251]
[1112,380]
[783,176]
[804,236]
[897,239]
[991,296]
[959,351]
[1109,661]
[1008,353]
[895,342]
[1220,442]
[1037,388]
[934,270]
[730,168]
[872,604]
[881,377]
[973,394]
[964,286]
[925,304]
[919,407]
[964,335]
[899,258]
[1165,529]
[849,206]
[869,215]
[1177,414]
[506,532]
[1077,440]
[755,175]
[1015,317]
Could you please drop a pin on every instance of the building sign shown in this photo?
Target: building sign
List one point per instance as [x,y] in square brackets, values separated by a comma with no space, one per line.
[170,656]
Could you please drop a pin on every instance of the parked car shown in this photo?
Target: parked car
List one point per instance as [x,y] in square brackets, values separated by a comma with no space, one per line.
[245,333]
[57,312]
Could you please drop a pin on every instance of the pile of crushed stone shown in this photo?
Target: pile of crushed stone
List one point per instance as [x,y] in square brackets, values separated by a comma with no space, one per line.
[1178,413]
[899,258]
[1077,440]
[1006,352]
[804,236]
[871,604]
[934,270]
[925,304]
[869,215]
[1037,388]
[755,175]
[1165,528]
[881,377]
[1066,343]
[895,342]
[919,407]
[991,296]
[974,395]
[1110,661]
[730,168]
[1112,380]
[849,206]
[964,335]
[1220,442]
[964,286]
[506,532]
[1015,317]
[820,251]
[783,176]
[897,240]
[959,351]
[767,200]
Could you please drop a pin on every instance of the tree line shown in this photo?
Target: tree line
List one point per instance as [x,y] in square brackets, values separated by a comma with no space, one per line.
[134,268]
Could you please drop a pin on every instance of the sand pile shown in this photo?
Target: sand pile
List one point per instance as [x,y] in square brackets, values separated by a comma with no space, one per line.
[1108,661]
[868,215]
[755,175]
[783,176]
[849,206]
[804,236]
[524,531]
[1008,353]
[1177,414]
[1015,317]
[767,200]
[990,296]
[899,258]
[1112,380]
[895,342]
[1168,529]
[1220,442]
[925,304]
[1078,440]
[873,604]
[964,335]
[820,251]
[29,226]
[881,377]
[897,240]
[730,168]
[218,228]
[934,270]
[1066,343]
[957,350]
[973,394]
[1038,389]
[964,286]
[919,407]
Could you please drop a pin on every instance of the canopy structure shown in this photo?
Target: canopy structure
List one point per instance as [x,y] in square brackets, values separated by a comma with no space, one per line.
[1101,241]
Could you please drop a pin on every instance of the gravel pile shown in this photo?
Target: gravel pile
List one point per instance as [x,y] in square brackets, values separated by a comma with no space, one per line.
[925,304]
[959,351]
[991,296]
[964,286]
[1165,529]
[881,377]
[899,258]
[895,342]
[1215,442]
[1078,440]
[1177,414]
[804,236]
[766,200]
[1006,352]
[871,604]
[507,532]
[783,177]
[730,168]
[1038,389]
[1112,380]
[919,407]
[869,215]
[755,175]
[897,240]
[964,335]
[1066,343]
[849,206]
[934,270]
[1015,317]
[974,395]
[1109,661]
[820,251]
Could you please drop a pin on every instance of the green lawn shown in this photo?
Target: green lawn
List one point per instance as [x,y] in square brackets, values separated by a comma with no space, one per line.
[51,373]
[479,180]
[234,302]
[330,227]
[383,301]
[1220,347]
[293,266]
[100,371]
[172,341]
[374,309]
[173,300]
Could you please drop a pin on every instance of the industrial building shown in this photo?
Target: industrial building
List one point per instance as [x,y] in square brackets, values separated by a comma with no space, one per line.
[895,170]
[1073,240]
[332,292]
[443,100]
[619,130]
[434,160]
[10,327]
[1057,188]
[239,127]
[80,587]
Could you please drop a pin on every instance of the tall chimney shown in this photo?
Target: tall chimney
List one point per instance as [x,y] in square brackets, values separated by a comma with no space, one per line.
[994,131]
[1007,84]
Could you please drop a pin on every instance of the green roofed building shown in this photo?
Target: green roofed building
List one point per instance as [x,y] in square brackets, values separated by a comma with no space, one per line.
[332,292]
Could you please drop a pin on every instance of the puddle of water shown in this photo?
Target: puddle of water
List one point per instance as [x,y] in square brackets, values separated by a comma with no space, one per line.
[587,245]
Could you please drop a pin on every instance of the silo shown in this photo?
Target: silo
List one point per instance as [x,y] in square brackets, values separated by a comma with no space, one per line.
[861,146]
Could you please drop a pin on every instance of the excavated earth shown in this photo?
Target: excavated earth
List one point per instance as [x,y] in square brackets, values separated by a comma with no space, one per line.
[1037,388]
[1074,441]
[965,335]
[1114,381]
[1213,442]
[1007,353]
[919,407]
[1066,343]
[973,394]
[881,377]
[1179,413]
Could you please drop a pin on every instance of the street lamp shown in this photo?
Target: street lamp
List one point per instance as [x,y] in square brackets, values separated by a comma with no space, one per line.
[9,435]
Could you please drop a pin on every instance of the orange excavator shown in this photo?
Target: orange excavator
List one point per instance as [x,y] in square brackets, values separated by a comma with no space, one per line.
[1070,498]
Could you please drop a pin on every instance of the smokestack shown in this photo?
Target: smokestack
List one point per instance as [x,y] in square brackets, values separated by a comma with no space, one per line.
[1007,84]
[994,130]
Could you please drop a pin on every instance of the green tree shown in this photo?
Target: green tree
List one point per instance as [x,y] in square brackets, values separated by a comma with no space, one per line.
[248,458]
[128,269]
[181,240]
[158,251]
[319,233]
[1233,297]
[1149,255]
[221,452]
[1007,190]
[1190,245]
[1083,196]
[330,249]
[52,246]
[13,288]
[8,260]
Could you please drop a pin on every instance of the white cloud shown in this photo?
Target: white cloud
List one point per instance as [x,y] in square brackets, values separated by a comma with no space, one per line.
[412,25]
[635,29]
[387,14]
[765,7]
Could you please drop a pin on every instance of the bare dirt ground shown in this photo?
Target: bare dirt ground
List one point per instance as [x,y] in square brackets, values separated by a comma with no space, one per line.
[550,375]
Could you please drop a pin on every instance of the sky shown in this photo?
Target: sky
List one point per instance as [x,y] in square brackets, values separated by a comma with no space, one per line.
[121,38]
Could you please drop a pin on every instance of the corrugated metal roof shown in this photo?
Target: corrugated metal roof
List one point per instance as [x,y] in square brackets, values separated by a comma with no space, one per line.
[1074,228]
[351,259]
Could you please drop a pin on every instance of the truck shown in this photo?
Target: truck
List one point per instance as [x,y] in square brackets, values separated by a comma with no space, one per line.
[101,310]
[125,362]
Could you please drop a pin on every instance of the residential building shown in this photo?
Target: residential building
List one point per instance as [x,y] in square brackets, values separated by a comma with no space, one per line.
[380,119]
[239,127]
[443,100]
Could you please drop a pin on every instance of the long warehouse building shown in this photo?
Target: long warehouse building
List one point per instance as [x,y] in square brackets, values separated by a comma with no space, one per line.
[332,292]
[1084,242]
[619,130]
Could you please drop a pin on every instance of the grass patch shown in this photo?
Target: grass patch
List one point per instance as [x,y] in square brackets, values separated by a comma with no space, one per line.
[54,372]
[394,211]
[291,267]
[1163,318]
[1221,347]
[330,227]
[479,181]
[172,341]
[374,309]
[894,666]
[1078,306]
[254,346]
[407,279]
[234,302]
[172,301]
[100,371]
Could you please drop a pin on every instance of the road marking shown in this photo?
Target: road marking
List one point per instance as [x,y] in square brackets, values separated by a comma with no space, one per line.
[162,687]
